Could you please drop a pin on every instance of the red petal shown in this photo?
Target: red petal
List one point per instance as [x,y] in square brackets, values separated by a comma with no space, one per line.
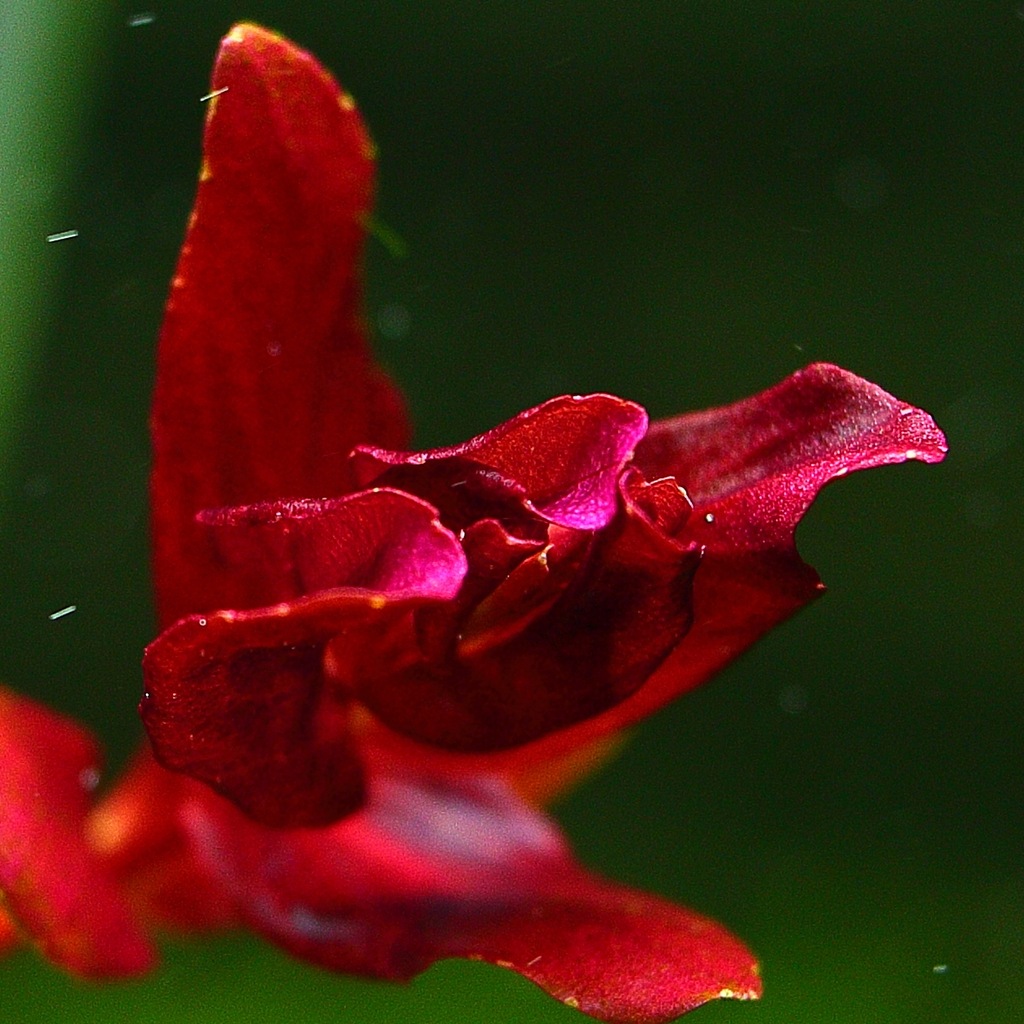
[8,933]
[137,829]
[567,455]
[523,666]
[433,869]
[242,700]
[54,884]
[264,382]
[752,470]
[776,450]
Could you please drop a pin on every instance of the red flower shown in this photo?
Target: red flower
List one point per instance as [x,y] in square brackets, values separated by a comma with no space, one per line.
[376,655]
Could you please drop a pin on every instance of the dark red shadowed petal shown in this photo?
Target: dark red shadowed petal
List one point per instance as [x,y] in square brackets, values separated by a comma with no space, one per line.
[566,455]
[570,633]
[244,701]
[432,869]
[53,883]
[264,382]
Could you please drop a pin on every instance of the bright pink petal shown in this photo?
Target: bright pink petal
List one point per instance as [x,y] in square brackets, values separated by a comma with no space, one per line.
[264,382]
[53,883]
[245,701]
[566,455]
[432,869]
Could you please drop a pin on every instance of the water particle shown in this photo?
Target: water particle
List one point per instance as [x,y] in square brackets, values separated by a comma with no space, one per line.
[89,778]
[394,321]
[202,622]
[709,517]
[793,699]
[140,19]
[530,963]
[62,236]
[940,969]
[213,95]
[70,609]
[572,1002]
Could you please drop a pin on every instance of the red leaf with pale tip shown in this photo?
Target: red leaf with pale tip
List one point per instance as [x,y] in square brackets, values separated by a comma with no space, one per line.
[264,381]
[432,869]
[53,883]
[245,701]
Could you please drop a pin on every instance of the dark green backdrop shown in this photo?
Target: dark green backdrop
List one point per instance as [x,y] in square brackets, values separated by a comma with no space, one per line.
[679,202]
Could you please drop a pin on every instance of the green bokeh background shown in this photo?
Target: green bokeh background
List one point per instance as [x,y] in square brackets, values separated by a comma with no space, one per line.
[679,202]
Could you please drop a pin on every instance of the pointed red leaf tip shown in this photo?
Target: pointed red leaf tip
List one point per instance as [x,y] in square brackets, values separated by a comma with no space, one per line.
[54,885]
[245,700]
[434,868]
[264,381]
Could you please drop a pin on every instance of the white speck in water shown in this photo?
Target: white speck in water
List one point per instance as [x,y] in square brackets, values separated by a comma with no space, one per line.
[140,19]
[62,236]
[394,321]
[211,95]
[68,610]
[907,411]
[793,699]
[842,471]
[912,453]
[940,969]
[89,778]
[709,517]
[202,622]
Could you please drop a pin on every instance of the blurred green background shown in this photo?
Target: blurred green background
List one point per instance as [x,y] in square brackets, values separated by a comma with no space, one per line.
[679,202]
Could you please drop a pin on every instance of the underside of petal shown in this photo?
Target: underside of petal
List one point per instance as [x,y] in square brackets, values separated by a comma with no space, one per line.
[264,381]
[433,869]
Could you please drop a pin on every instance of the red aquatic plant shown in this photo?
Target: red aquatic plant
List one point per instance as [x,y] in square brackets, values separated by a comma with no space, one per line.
[371,660]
